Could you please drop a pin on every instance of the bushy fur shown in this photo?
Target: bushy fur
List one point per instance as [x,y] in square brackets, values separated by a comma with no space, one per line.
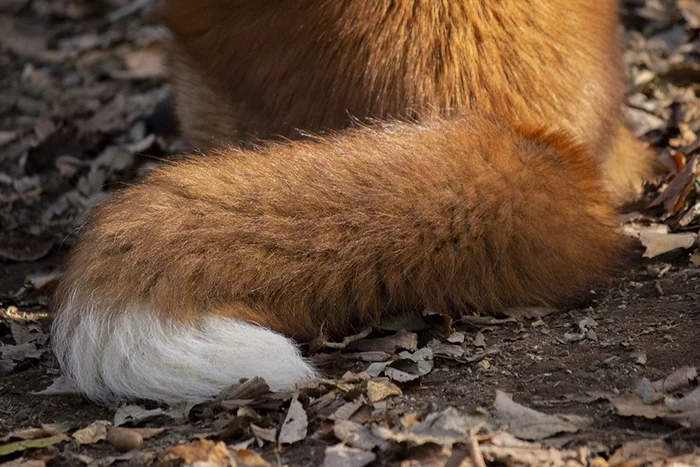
[495,189]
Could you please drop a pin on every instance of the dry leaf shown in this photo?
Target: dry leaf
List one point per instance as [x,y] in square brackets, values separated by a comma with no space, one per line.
[632,405]
[245,390]
[529,424]
[676,380]
[401,340]
[378,390]
[640,452]
[658,243]
[445,428]
[23,445]
[505,449]
[248,458]
[135,414]
[295,424]
[357,436]
[96,431]
[343,456]
[61,386]
[202,451]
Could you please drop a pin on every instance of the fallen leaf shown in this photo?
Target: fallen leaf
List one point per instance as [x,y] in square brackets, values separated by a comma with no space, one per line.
[19,353]
[347,410]
[343,456]
[529,424]
[295,424]
[202,451]
[658,243]
[529,312]
[401,340]
[445,428]
[23,445]
[248,458]
[357,436]
[505,449]
[632,405]
[264,434]
[60,386]
[249,389]
[91,434]
[378,390]
[641,452]
[135,415]
[676,380]
[410,366]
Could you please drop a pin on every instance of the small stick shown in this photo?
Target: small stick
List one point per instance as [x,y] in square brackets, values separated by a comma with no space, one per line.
[127,10]
[347,340]
[474,452]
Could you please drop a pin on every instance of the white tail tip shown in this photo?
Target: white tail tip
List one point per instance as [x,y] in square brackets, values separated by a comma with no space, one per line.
[133,354]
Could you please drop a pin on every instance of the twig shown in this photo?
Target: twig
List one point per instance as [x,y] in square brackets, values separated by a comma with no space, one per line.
[474,451]
[347,340]
[127,10]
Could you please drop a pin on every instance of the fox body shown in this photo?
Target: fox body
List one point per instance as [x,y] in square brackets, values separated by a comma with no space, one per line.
[489,181]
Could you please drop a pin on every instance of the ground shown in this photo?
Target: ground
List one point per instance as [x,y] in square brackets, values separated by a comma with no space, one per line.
[608,380]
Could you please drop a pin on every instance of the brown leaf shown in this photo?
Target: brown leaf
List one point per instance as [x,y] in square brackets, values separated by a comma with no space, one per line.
[245,390]
[91,434]
[378,390]
[248,458]
[640,452]
[632,405]
[202,450]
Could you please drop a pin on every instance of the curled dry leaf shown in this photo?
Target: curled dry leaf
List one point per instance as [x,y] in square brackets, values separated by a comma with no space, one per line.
[505,449]
[343,456]
[91,434]
[295,424]
[380,389]
[357,436]
[444,428]
[347,410]
[248,389]
[201,451]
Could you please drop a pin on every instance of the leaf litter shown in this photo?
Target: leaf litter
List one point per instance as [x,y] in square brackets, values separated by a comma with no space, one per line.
[72,138]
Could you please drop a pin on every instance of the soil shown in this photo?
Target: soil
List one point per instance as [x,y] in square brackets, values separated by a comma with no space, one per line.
[85,106]
[647,326]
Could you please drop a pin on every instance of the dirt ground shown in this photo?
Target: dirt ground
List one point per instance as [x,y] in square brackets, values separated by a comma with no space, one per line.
[85,106]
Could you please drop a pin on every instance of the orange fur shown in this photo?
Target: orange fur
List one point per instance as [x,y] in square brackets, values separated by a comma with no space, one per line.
[261,69]
[494,188]
[458,216]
